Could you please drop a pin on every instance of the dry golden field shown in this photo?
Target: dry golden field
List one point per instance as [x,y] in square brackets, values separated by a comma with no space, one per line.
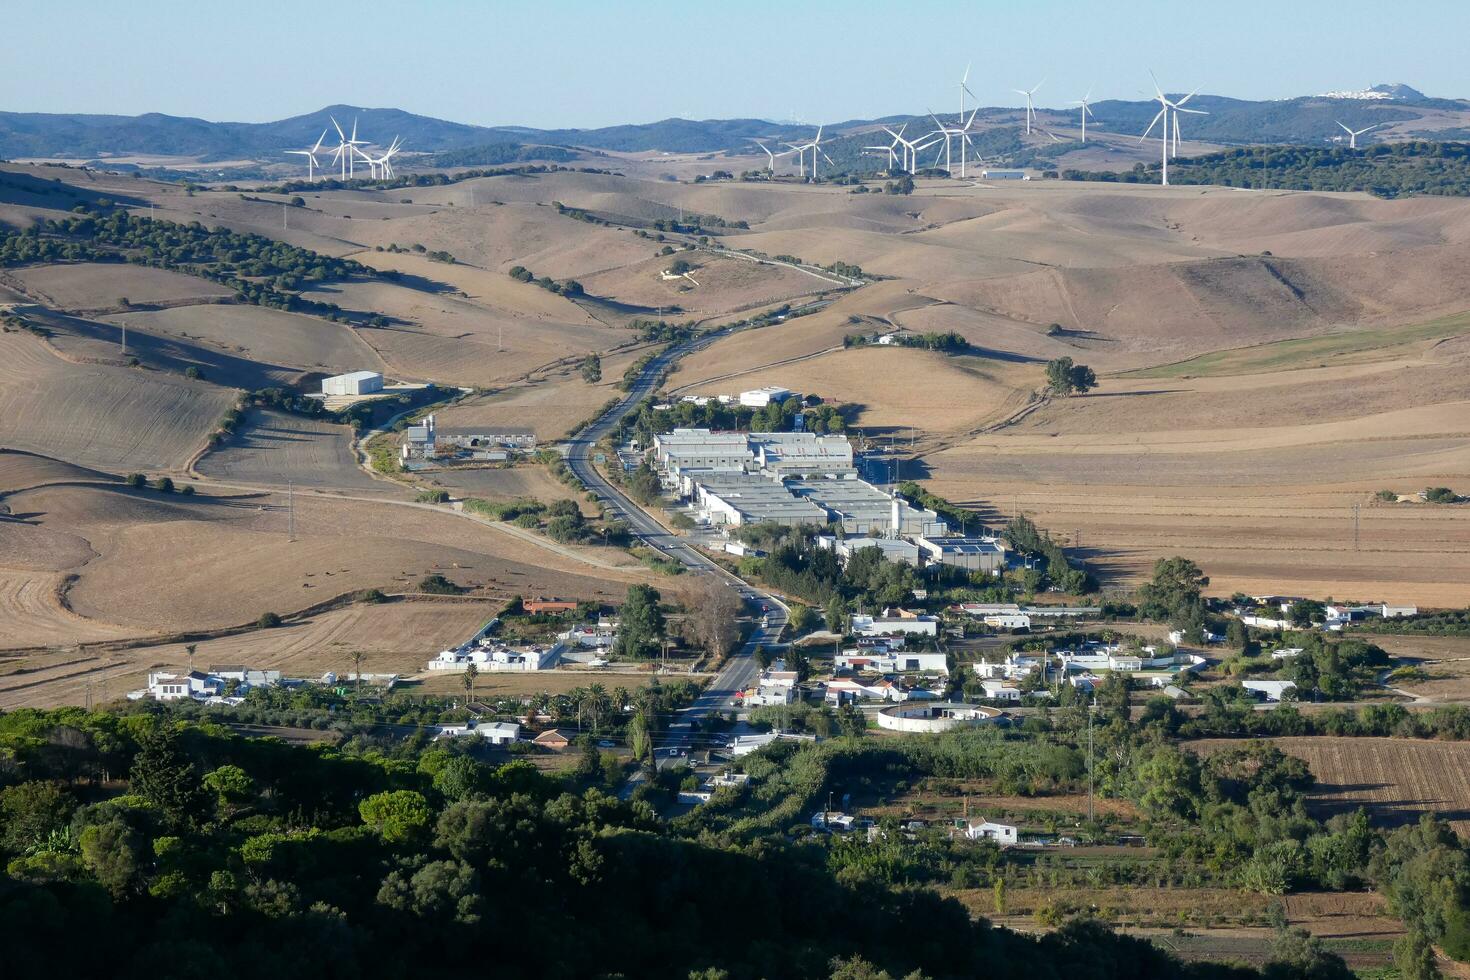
[1396,779]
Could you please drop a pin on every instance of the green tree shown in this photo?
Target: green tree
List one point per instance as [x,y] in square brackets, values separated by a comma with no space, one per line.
[164,776]
[1413,955]
[468,679]
[640,624]
[111,852]
[398,816]
[31,811]
[802,620]
[591,369]
[461,778]
[1175,594]
[232,787]
[837,615]
[1063,377]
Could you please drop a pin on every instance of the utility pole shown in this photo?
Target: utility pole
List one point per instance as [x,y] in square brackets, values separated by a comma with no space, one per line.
[125,338]
[290,512]
[283,217]
[1356,509]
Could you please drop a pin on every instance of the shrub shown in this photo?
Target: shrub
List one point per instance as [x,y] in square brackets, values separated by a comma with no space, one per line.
[136,480]
[163,485]
[433,496]
[369,596]
[268,621]
[438,585]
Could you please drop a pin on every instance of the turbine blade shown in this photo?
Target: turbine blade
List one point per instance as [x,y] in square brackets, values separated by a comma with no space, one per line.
[1153,124]
[338,128]
[1189,96]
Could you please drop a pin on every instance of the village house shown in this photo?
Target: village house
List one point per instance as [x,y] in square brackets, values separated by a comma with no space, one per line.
[1001,833]
[891,662]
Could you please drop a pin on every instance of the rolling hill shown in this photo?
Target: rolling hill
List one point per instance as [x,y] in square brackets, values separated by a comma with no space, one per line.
[1237,121]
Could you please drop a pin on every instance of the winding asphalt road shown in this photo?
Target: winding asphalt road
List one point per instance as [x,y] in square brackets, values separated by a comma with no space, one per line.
[742,667]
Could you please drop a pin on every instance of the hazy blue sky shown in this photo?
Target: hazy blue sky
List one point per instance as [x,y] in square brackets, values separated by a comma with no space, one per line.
[576,63]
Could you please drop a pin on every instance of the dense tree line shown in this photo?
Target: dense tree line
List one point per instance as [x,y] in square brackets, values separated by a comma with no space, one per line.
[259,270]
[1383,169]
[182,850]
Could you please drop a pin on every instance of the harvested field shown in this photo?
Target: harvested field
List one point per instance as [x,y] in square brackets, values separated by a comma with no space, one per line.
[715,285]
[172,563]
[100,285]
[549,409]
[19,470]
[33,616]
[1446,659]
[1396,779]
[395,637]
[501,483]
[108,418]
[274,448]
[263,335]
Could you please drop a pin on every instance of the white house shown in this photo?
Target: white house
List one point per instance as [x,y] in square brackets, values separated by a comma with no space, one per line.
[494,732]
[1272,690]
[169,686]
[1266,622]
[892,662]
[1008,621]
[1397,612]
[746,744]
[355,383]
[1000,691]
[1001,833]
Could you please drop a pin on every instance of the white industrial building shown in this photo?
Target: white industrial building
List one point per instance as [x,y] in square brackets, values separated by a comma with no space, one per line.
[893,549]
[488,655]
[355,383]
[985,554]
[761,397]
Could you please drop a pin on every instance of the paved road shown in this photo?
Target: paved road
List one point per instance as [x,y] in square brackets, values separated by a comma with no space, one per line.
[741,669]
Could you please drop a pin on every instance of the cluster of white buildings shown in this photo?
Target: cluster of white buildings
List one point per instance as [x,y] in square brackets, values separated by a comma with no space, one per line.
[1082,667]
[492,732]
[795,478]
[427,443]
[228,684]
[1009,615]
[1273,612]
[491,655]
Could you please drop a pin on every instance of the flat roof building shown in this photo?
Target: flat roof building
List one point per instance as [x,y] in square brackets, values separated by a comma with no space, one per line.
[355,383]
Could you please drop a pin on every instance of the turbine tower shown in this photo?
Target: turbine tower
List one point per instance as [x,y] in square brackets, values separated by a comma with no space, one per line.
[1353,134]
[954,134]
[1030,107]
[311,160]
[1166,108]
[816,147]
[911,148]
[1086,111]
[771,166]
[891,147]
[346,152]
[381,167]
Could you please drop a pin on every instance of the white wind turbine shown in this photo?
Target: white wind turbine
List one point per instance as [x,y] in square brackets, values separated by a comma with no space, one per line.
[381,167]
[1353,134]
[816,147]
[1166,106]
[1030,107]
[891,147]
[954,134]
[1086,111]
[347,149]
[771,166]
[964,88]
[311,160]
[911,148]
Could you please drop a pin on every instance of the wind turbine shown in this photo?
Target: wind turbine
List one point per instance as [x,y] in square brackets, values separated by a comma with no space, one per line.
[1030,108]
[964,89]
[771,167]
[311,161]
[955,134]
[346,148]
[816,147]
[1164,113]
[1353,134]
[911,148]
[382,166]
[1086,111]
[891,147]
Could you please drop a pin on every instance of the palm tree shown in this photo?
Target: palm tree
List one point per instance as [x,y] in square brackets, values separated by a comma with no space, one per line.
[357,656]
[470,673]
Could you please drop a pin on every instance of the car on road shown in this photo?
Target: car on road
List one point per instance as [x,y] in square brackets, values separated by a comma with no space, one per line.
[605,744]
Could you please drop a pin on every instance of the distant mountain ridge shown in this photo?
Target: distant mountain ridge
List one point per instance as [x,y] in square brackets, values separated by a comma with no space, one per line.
[88,136]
